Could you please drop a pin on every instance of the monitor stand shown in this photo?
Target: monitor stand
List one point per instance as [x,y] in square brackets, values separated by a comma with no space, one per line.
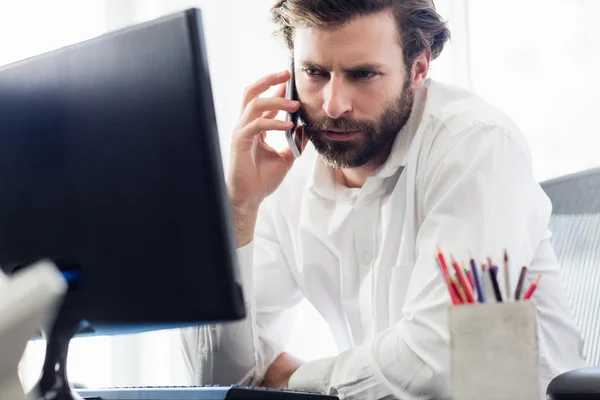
[53,383]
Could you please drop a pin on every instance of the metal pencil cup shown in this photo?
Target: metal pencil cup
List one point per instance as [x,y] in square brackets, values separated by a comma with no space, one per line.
[494,351]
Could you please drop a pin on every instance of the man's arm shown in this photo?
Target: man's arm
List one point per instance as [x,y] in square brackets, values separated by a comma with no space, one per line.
[241,352]
[477,193]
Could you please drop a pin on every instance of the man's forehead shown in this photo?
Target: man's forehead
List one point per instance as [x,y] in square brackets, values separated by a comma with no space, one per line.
[363,40]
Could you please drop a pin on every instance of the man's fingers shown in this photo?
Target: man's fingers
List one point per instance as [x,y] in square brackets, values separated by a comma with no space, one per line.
[271,114]
[259,113]
[280,92]
[258,106]
[260,125]
[263,85]
[288,155]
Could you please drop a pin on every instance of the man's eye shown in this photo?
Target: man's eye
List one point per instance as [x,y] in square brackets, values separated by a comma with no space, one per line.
[312,71]
[363,75]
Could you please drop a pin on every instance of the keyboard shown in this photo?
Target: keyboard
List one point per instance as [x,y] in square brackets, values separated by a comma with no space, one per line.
[209,392]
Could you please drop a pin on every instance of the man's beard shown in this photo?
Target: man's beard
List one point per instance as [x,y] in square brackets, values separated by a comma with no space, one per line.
[376,137]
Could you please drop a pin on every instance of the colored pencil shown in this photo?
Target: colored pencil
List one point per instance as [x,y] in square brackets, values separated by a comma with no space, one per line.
[507,290]
[487,281]
[470,279]
[458,289]
[490,263]
[463,281]
[495,271]
[474,285]
[451,290]
[532,288]
[480,295]
[442,261]
[520,283]
[495,286]
[454,293]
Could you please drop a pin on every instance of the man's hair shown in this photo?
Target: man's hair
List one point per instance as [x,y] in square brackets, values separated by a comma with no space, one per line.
[421,28]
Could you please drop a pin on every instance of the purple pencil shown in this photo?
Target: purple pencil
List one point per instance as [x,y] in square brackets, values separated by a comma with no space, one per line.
[481,297]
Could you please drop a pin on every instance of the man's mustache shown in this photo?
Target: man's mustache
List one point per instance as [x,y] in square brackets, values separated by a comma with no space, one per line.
[346,124]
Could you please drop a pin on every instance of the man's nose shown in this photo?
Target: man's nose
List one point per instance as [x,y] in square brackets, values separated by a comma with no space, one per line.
[337,102]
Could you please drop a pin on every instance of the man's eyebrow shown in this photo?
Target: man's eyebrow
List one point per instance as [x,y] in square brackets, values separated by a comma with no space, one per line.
[312,65]
[355,68]
[366,66]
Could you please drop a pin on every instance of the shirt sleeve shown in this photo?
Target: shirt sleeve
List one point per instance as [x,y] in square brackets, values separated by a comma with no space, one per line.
[240,352]
[476,192]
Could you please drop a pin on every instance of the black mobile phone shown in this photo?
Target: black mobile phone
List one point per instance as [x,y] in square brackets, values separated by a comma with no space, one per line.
[295,139]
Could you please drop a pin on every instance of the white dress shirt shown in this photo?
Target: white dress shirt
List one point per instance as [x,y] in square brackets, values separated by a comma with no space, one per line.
[460,176]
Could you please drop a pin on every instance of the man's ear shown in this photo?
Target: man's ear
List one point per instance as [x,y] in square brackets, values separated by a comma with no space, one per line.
[420,69]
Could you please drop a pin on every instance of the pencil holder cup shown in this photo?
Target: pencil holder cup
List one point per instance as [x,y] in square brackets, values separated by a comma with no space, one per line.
[494,351]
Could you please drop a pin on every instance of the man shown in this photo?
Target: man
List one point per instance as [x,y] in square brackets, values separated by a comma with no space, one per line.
[396,164]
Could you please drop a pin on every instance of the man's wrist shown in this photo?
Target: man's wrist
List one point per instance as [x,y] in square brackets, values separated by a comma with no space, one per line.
[281,370]
[244,218]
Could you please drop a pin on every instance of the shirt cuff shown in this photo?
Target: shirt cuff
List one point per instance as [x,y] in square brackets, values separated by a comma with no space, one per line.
[313,376]
[245,257]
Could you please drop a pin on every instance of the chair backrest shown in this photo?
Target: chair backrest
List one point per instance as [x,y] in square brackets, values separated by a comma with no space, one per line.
[575,224]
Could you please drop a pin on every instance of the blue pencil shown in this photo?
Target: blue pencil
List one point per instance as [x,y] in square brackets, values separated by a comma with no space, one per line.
[481,297]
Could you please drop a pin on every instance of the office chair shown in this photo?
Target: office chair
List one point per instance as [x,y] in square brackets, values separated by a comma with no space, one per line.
[575,224]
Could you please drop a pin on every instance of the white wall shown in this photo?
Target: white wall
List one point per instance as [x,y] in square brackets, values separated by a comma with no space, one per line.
[30,27]
[538,60]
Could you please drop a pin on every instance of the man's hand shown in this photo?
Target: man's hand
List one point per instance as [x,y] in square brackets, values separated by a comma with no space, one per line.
[279,373]
[256,169]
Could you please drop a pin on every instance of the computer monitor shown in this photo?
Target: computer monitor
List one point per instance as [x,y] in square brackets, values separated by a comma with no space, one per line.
[110,166]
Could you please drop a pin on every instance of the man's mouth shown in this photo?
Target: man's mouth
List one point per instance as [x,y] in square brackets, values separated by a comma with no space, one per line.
[339,134]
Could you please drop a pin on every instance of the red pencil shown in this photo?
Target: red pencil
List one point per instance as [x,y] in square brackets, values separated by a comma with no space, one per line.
[463,281]
[443,264]
[470,278]
[458,290]
[532,288]
[454,293]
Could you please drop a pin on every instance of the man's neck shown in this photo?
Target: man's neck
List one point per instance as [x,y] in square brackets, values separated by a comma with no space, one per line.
[356,177]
